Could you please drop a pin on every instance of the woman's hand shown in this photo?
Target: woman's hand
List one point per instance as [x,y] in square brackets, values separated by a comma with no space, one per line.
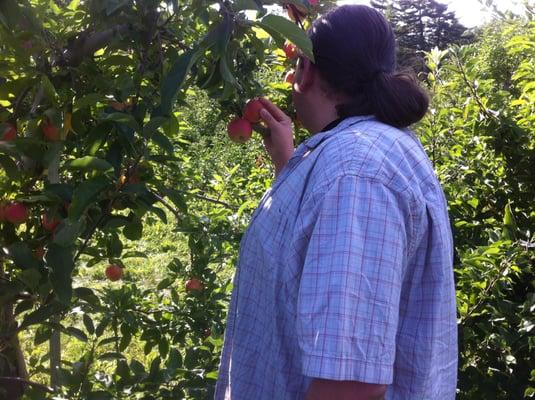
[279,142]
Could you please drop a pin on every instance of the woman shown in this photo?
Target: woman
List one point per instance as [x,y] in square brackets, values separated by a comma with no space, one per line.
[344,288]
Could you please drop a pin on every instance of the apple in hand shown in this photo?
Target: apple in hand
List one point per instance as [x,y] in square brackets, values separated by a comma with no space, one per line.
[251,111]
[194,284]
[114,272]
[289,77]
[50,131]
[239,130]
[9,133]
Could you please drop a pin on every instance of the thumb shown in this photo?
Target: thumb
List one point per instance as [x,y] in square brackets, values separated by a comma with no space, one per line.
[267,117]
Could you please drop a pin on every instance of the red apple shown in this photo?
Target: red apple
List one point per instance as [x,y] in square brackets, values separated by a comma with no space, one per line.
[207,333]
[27,44]
[49,223]
[290,50]
[114,272]
[118,106]
[9,133]
[50,131]
[289,77]
[313,3]
[239,130]
[251,112]
[16,213]
[194,284]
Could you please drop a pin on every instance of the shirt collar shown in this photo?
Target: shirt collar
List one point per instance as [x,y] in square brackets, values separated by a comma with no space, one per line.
[328,131]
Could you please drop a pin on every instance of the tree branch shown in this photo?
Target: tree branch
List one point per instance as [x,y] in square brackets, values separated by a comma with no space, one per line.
[87,43]
[166,204]
[44,388]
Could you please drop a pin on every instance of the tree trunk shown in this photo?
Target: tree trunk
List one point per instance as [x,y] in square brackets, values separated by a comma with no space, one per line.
[12,363]
[55,354]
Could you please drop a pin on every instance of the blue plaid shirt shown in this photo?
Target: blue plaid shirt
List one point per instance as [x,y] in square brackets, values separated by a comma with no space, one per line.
[345,273]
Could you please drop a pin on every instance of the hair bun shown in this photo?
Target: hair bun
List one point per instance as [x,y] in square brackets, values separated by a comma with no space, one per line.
[397,99]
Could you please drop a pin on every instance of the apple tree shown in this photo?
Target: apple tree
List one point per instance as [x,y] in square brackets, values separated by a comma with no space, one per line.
[91,98]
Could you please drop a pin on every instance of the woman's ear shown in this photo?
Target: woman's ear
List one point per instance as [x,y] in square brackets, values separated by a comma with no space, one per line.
[304,75]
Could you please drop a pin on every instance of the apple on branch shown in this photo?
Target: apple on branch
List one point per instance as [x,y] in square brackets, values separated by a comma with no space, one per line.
[50,131]
[15,212]
[49,223]
[239,130]
[194,284]
[8,132]
[114,272]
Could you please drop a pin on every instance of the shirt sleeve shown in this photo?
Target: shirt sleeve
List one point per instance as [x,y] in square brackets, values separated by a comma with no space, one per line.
[348,300]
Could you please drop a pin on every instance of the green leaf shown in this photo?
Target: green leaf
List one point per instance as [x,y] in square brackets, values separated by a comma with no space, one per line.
[174,360]
[153,125]
[163,142]
[134,230]
[89,163]
[99,395]
[165,283]
[86,294]
[67,232]
[175,78]
[42,314]
[60,261]
[9,167]
[212,375]
[88,100]
[135,254]
[112,355]
[88,323]
[21,254]
[109,340]
[114,246]
[49,89]
[160,213]
[284,27]
[77,333]
[124,119]
[85,194]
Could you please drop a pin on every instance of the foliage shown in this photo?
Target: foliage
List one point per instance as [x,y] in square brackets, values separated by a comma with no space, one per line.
[481,138]
[116,105]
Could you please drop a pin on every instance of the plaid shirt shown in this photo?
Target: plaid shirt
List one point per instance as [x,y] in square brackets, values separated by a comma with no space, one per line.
[345,273]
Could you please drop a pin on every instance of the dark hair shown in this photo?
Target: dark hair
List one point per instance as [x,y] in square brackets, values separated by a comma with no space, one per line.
[355,53]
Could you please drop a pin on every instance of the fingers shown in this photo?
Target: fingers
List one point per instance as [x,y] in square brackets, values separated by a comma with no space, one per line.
[275,111]
[268,118]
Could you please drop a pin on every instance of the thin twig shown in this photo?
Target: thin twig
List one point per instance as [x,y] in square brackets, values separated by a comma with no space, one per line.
[166,204]
[209,199]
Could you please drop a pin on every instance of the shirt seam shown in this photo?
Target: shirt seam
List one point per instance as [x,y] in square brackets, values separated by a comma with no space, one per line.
[411,198]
